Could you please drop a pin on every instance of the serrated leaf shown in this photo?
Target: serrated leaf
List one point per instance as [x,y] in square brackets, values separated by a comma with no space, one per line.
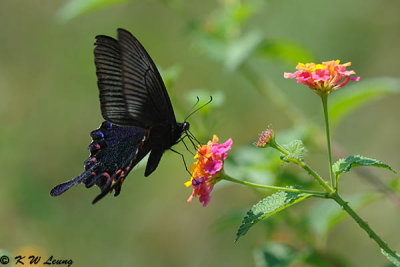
[267,207]
[75,8]
[358,94]
[296,150]
[344,165]
[395,259]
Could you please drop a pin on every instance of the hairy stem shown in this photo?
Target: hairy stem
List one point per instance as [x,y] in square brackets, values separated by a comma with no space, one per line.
[302,164]
[363,224]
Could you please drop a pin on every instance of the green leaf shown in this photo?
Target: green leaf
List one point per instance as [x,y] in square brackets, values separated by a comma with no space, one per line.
[356,95]
[274,254]
[75,8]
[344,165]
[296,150]
[241,49]
[319,258]
[254,164]
[218,99]
[267,207]
[395,259]
[170,75]
[325,215]
[285,51]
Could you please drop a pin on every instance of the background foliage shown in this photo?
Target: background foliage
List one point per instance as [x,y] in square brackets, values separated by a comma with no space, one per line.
[237,51]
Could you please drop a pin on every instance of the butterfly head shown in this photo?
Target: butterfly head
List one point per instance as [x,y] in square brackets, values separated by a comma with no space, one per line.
[185,126]
[182,128]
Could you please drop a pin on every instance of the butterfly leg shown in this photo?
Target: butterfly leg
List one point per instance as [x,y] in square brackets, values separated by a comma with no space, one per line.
[191,141]
[192,136]
[183,158]
[183,141]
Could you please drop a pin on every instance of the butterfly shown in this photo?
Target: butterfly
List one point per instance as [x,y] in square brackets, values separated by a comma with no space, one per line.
[139,118]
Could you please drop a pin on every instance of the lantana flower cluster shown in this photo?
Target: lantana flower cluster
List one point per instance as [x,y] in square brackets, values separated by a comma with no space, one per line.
[265,138]
[323,78]
[207,170]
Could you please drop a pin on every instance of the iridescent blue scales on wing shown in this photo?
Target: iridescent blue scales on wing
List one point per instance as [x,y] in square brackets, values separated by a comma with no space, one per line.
[114,151]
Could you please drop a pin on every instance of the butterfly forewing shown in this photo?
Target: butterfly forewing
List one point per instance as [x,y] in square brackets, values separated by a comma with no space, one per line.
[109,80]
[145,94]
[132,92]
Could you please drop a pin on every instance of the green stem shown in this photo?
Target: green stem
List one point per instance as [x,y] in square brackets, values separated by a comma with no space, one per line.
[302,164]
[324,98]
[314,193]
[314,174]
[363,224]
[280,148]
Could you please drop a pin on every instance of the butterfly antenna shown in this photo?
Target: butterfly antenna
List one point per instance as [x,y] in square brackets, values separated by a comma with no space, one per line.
[202,106]
[191,109]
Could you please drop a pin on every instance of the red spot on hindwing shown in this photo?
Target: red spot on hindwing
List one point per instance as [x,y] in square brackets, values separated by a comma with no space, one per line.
[105,174]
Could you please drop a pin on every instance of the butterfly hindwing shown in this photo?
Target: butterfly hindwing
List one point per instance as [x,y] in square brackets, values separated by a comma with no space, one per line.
[114,151]
[154,159]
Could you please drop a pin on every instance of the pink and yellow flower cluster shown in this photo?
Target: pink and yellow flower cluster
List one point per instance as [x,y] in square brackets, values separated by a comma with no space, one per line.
[323,78]
[206,171]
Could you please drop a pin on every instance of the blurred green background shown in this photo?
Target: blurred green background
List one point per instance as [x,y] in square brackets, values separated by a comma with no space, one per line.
[236,51]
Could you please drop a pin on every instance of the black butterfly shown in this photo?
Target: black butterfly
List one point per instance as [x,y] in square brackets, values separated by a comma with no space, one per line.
[138,113]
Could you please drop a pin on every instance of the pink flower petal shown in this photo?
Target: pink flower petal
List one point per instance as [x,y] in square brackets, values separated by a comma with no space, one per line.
[213,166]
[321,74]
[323,78]
[288,75]
[205,171]
[222,148]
